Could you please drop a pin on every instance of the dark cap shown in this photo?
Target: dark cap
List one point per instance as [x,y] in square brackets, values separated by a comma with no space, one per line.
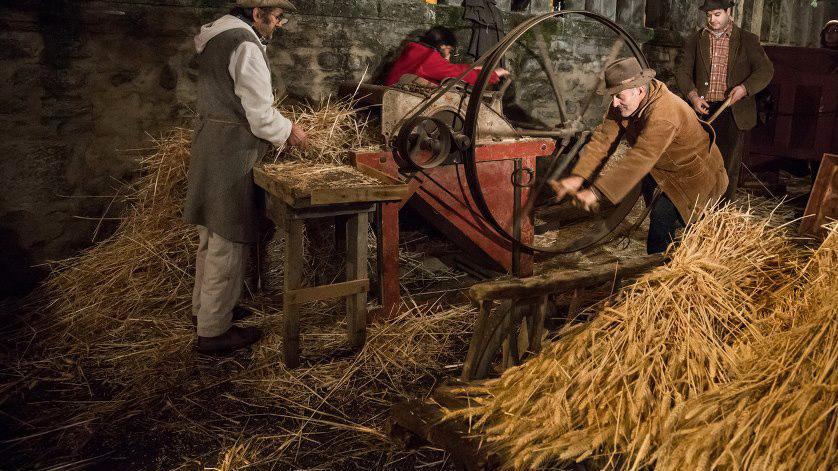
[710,5]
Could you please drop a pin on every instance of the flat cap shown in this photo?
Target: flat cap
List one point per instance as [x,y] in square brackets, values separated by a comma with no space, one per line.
[286,5]
[710,5]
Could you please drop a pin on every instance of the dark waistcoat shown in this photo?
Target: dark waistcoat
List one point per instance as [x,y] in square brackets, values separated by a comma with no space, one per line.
[221,194]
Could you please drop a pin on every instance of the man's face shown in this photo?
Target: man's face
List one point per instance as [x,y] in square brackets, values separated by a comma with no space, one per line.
[267,23]
[627,101]
[717,20]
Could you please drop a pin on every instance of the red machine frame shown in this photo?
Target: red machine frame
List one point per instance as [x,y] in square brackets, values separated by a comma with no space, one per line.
[441,195]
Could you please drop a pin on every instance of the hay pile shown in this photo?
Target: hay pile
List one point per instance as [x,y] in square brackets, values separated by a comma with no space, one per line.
[118,313]
[333,128]
[105,356]
[781,410]
[606,390]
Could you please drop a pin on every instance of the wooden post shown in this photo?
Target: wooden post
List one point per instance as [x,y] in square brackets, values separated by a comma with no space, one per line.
[356,269]
[473,355]
[293,277]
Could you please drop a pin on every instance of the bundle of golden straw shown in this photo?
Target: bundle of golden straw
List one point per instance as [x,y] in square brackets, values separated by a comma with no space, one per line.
[781,411]
[333,128]
[605,390]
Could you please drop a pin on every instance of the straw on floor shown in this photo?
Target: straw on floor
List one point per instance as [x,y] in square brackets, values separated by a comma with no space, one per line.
[107,350]
[605,390]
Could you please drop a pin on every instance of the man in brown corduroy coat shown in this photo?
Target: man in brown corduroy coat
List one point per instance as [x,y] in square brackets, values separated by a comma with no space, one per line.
[668,146]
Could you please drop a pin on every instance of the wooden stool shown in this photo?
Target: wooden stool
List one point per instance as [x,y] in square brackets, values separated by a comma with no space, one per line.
[289,204]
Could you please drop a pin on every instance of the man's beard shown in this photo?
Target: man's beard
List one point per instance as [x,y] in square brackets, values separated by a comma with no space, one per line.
[265,38]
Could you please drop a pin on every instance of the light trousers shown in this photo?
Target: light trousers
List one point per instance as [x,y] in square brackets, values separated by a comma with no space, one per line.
[219,276]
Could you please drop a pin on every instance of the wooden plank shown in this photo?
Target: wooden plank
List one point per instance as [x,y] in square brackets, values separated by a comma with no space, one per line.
[313,212]
[823,200]
[471,362]
[317,293]
[276,188]
[356,268]
[378,174]
[358,194]
[424,419]
[292,279]
[562,280]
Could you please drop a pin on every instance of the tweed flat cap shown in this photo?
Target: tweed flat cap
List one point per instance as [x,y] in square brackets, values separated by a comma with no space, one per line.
[284,4]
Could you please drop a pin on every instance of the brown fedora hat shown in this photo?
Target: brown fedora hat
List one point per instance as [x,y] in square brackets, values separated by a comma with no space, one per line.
[623,74]
[710,5]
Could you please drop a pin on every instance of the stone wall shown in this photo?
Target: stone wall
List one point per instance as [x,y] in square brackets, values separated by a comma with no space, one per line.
[87,84]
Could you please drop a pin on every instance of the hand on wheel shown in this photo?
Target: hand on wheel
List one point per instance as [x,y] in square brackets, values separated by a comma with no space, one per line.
[567,186]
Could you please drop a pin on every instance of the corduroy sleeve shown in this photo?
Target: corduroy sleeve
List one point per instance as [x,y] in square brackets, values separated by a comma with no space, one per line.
[619,178]
[596,149]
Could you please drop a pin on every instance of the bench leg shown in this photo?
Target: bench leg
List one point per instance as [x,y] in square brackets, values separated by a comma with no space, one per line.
[356,269]
[292,277]
[388,258]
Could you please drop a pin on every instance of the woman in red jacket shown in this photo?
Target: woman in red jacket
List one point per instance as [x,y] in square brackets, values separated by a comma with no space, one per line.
[429,58]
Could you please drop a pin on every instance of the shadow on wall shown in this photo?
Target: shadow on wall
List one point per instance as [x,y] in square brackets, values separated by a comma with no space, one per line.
[16,271]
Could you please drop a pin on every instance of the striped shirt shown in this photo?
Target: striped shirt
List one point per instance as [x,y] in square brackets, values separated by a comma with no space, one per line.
[719,53]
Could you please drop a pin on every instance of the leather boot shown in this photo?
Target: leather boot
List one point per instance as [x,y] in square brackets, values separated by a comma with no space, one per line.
[239,313]
[235,338]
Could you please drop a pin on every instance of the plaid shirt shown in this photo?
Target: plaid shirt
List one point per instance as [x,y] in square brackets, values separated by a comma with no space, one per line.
[719,53]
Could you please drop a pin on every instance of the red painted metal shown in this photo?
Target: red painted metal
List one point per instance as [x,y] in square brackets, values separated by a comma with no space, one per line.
[441,195]
[804,122]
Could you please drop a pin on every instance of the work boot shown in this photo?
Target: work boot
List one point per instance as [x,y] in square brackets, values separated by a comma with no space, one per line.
[239,313]
[235,338]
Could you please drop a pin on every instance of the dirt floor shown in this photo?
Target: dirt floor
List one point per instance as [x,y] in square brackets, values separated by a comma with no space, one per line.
[247,411]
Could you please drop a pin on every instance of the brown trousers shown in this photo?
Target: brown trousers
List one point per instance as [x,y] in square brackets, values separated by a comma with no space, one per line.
[219,276]
[732,142]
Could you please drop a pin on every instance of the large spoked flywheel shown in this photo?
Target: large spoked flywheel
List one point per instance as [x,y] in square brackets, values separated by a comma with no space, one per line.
[556,82]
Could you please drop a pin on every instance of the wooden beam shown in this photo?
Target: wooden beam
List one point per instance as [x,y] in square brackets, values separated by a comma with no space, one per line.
[424,419]
[314,212]
[292,279]
[317,293]
[562,280]
[358,194]
[356,269]
[275,187]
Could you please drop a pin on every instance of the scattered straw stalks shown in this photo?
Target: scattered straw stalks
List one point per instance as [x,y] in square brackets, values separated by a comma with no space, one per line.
[605,391]
[333,127]
[781,410]
[107,349]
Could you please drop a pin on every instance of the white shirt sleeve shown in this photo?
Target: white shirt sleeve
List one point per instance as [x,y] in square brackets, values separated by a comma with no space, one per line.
[252,84]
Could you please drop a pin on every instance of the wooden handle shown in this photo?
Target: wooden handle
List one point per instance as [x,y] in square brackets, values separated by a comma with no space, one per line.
[721,108]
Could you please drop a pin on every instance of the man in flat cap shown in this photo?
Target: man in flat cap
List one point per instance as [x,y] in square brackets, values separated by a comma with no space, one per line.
[668,147]
[237,123]
[719,61]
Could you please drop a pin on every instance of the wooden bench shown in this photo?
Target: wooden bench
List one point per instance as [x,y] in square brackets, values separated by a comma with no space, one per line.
[296,192]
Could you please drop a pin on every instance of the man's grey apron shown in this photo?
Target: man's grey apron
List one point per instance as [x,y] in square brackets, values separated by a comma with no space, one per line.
[221,195]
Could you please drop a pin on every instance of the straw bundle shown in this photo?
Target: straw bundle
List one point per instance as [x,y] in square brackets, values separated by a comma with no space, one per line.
[606,390]
[333,128]
[781,411]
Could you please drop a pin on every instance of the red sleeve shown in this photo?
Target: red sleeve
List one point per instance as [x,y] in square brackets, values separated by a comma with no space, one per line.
[437,69]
